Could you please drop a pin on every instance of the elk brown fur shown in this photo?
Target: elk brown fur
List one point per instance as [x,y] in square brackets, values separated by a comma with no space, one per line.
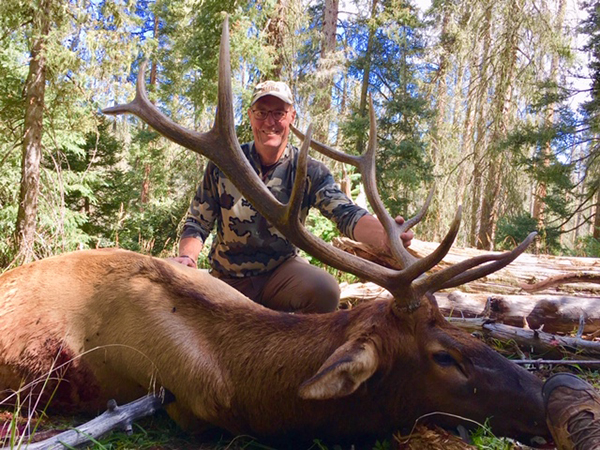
[133,323]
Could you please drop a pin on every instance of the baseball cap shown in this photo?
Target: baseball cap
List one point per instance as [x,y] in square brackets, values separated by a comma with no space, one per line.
[275,88]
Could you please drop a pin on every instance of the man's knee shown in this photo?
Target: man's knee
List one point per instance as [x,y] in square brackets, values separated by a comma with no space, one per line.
[321,294]
[300,287]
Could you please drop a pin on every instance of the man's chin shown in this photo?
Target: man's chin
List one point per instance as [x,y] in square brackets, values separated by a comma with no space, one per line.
[271,145]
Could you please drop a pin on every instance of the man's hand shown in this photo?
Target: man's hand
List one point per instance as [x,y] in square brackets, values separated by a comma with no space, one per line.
[370,231]
[406,237]
[189,249]
[185,260]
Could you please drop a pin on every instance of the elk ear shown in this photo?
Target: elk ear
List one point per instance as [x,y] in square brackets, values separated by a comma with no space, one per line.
[343,372]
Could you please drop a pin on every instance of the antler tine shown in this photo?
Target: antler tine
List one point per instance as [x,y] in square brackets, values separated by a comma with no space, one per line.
[225,150]
[328,151]
[464,272]
[140,95]
[225,117]
[145,110]
[393,229]
[297,195]
[427,262]
[501,260]
[419,216]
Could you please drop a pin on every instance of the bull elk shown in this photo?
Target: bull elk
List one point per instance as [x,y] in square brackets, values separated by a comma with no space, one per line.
[114,324]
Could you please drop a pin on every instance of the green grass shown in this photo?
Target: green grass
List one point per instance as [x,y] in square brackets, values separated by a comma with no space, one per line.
[159,432]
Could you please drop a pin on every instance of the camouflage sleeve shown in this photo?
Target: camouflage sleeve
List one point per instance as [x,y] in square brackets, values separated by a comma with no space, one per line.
[332,202]
[204,207]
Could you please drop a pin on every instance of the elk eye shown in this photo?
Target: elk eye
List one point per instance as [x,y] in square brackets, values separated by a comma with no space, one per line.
[444,359]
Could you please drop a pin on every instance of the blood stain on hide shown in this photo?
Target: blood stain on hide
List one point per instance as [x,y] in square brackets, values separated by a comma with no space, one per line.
[58,368]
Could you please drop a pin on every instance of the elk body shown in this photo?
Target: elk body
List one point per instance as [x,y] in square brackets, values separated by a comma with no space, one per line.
[115,324]
[142,322]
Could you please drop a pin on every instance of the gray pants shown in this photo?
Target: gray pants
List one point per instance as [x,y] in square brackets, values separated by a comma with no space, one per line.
[294,286]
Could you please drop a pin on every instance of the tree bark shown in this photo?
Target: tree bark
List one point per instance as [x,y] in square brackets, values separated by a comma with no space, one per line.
[35,87]
[362,107]
[441,93]
[145,187]
[480,67]
[501,107]
[596,231]
[325,84]
[539,199]
[276,37]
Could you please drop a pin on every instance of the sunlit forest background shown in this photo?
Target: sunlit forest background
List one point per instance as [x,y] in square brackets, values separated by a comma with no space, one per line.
[493,101]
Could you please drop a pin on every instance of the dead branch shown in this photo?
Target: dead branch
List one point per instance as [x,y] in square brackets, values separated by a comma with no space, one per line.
[547,345]
[557,362]
[583,277]
[115,417]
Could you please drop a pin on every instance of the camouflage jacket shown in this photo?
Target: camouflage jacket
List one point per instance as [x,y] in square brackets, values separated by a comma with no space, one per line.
[245,243]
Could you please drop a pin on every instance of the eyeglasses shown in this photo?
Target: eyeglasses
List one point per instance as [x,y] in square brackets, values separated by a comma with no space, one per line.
[262,115]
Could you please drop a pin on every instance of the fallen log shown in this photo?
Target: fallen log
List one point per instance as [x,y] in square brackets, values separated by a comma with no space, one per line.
[550,313]
[115,417]
[528,269]
[553,314]
[546,345]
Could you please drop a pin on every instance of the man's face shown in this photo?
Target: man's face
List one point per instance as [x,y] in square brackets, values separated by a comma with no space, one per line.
[270,134]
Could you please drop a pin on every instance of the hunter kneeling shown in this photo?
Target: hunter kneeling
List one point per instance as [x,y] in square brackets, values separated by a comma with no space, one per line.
[248,253]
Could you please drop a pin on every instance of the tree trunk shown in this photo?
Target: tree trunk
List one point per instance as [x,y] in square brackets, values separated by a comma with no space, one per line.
[145,188]
[439,135]
[489,211]
[362,108]
[481,68]
[325,82]
[32,136]
[539,200]
[441,94]
[596,232]
[276,37]
[501,113]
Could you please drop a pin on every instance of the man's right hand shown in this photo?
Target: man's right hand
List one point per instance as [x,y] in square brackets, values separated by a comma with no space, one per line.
[185,260]
[189,249]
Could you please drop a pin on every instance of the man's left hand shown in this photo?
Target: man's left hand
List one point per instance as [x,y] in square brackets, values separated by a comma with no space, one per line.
[407,236]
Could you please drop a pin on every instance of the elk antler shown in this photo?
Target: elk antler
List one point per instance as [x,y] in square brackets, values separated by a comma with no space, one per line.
[453,276]
[221,146]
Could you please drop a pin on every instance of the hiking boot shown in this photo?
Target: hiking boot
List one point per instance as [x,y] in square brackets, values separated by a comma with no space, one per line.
[572,412]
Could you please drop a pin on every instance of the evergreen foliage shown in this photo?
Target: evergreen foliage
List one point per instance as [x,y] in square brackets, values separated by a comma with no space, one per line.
[455,105]
[390,45]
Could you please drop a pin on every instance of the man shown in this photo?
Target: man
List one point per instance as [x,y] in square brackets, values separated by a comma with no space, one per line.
[248,253]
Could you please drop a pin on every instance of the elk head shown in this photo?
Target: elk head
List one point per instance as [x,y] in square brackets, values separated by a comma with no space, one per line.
[392,362]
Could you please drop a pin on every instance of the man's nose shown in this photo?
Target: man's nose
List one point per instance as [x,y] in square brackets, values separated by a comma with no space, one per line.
[270,120]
